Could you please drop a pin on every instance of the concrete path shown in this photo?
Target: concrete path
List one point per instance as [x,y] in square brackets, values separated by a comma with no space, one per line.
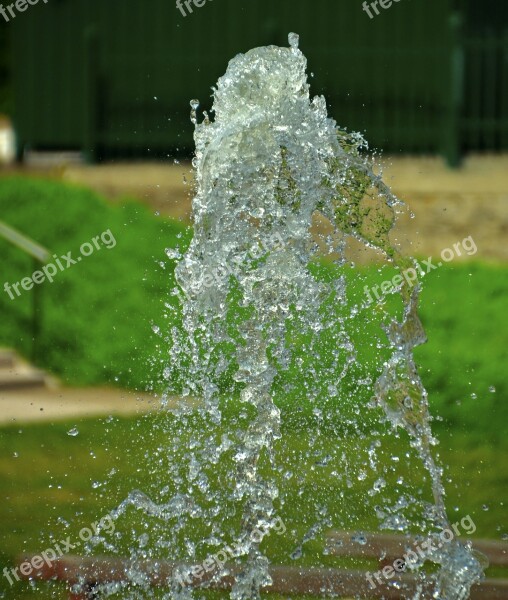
[43,405]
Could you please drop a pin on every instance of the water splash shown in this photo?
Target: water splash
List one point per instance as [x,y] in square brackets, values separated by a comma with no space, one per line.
[265,166]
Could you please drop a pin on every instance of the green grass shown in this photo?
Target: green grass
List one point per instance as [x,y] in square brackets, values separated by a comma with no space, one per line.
[97,328]
[98,315]
[58,484]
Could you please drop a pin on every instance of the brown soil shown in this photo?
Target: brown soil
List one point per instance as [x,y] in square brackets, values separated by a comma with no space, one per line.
[448,205]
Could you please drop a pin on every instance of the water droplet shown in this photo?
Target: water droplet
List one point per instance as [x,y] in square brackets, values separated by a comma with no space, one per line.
[492,389]
[474,396]
[194,105]
[73,432]
[294,40]
[485,507]
[359,539]
[172,253]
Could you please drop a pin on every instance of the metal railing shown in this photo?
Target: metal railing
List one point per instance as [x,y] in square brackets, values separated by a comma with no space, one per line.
[40,255]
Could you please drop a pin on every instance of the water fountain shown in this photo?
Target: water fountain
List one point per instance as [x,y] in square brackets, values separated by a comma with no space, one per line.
[254,307]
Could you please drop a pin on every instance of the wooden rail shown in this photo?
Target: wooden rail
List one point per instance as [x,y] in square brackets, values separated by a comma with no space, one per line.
[392,546]
[83,575]
[39,254]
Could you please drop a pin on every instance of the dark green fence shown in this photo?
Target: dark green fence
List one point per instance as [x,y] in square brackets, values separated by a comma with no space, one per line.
[485,113]
[114,78]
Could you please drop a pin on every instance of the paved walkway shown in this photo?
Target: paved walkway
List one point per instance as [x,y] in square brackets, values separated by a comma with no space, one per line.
[42,405]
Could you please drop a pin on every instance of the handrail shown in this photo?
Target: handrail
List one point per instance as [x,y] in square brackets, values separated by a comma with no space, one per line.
[24,243]
[38,254]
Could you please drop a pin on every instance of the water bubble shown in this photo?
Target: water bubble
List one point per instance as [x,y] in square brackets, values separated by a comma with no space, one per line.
[173,253]
[194,105]
[73,432]
[324,462]
[294,40]
[359,539]
[378,485]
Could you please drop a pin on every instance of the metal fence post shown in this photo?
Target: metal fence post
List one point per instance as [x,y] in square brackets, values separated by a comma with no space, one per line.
[39,255]
[452,130]
[37,315]
[90,96]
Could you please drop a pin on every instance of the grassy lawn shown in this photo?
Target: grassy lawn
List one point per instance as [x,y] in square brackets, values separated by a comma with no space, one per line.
[98,315]
[97,329]
[56,484]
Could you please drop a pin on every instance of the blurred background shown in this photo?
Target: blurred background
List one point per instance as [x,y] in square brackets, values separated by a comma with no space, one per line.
[111,80]
[95,136]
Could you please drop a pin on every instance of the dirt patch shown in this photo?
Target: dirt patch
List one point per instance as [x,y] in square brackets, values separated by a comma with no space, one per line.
[448,205]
